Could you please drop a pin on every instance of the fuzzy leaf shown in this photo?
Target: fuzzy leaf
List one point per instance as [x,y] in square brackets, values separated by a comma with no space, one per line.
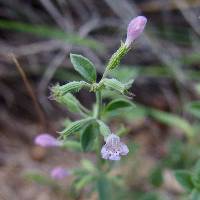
[185,179]
[84,66]
[88,137]
[75,126]
[118,104]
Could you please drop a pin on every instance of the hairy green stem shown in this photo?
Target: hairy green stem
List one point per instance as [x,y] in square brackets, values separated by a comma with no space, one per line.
[99,104]
[98,116]
[84,109]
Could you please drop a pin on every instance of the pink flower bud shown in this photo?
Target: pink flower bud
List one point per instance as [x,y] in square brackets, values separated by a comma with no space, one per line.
[135,28]
[59,173]
[46,140]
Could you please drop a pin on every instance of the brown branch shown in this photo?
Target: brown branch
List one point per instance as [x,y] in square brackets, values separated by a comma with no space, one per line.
[29,90]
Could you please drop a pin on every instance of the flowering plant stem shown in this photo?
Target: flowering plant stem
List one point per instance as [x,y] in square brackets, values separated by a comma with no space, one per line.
[92,129]
[98,104]
[98,116]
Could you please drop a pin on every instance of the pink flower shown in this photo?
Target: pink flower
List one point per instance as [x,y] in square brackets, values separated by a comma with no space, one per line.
[59,173]
[46,140]
[135,28]
[114,148]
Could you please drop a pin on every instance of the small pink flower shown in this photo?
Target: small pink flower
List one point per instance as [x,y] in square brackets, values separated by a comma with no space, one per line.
[59,173]
[135,28]
[46,140]
[114,148]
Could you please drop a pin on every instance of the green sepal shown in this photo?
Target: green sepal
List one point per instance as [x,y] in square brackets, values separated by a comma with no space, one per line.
[74,86]
[75,126]
[70,101]
[104,129]
[114,84]
[117,56]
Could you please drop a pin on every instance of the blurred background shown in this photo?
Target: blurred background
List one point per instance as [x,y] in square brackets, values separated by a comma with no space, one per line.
[38,35]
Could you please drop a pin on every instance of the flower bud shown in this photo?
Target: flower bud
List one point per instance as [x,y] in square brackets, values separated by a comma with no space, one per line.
[59,173]
[46,140]
[135,28]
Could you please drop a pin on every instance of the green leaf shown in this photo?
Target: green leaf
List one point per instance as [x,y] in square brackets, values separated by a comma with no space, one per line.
[75,126]
[104,129]
[185,179]
[194,108]
[195,194]
[172,120]
[118,104]
[84,66]
[104,188]
[156,177]
[88,137]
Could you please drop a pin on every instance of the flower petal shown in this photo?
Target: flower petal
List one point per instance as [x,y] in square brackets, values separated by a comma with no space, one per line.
[113,149]
[135,28]
[104,152]
[114,157]
[124,149]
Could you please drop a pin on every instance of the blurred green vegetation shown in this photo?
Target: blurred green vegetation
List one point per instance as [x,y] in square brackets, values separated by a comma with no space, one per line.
[51,32]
